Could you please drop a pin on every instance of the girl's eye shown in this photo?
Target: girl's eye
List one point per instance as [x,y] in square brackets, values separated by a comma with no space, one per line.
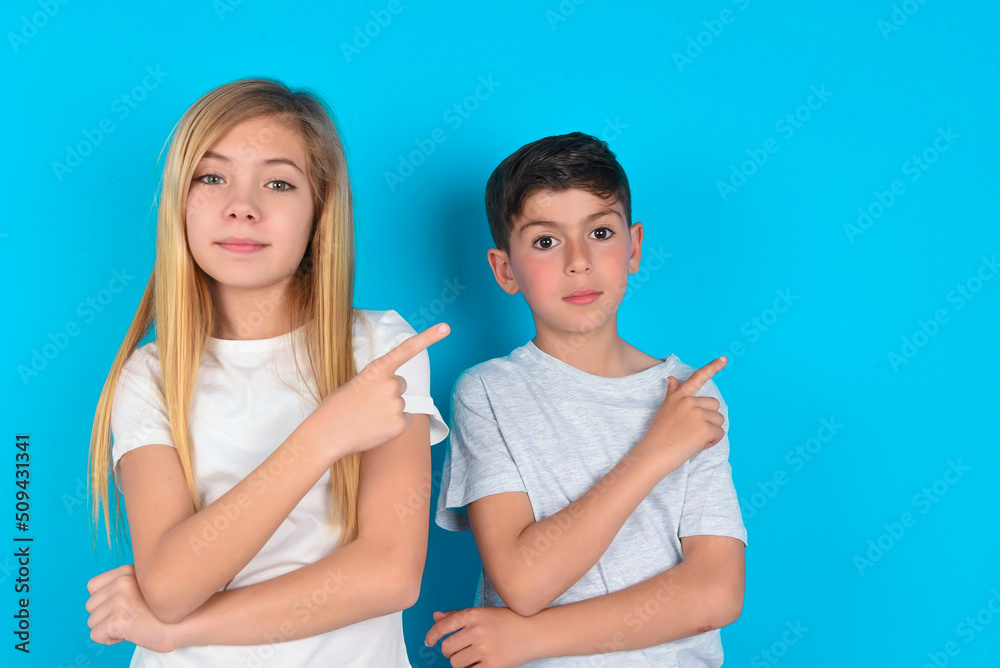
[544,243]
[602,233]
[285,185]
[214,180]
[209,176]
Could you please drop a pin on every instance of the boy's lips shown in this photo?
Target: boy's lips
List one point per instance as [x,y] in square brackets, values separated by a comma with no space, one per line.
[582,297]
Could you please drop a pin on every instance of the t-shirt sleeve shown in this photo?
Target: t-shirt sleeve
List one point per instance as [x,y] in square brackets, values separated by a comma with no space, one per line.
[477,462]
[391,330]
[710,503]
[138,410]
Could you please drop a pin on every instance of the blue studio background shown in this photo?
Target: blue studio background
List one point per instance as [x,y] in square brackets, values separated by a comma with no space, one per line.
[818,184]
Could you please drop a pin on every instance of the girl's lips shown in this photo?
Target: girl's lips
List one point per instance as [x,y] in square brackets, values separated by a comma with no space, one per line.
[242,248]
[582,299]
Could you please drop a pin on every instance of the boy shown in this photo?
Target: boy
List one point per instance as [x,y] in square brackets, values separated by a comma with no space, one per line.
[595,478]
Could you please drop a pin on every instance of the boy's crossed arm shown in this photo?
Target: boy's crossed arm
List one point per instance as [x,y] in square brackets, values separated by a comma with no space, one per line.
[528,579]
[703,592]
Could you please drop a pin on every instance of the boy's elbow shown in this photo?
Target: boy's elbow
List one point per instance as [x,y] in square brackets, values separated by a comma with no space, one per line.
[728,604]
[521,597]
[525,608]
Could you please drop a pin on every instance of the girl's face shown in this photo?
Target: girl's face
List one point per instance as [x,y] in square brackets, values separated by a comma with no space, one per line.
[249,211]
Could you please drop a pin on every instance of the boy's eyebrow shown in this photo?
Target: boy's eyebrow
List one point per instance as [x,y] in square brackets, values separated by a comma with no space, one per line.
[548,223]
[270,161]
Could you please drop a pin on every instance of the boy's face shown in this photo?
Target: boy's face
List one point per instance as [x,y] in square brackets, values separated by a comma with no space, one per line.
[570,256]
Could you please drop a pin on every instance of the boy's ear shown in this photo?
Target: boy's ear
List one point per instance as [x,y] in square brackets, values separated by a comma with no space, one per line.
[500,264]
[635,232]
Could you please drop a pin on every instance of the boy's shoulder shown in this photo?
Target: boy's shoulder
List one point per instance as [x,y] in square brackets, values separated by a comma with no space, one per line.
[682,372]
[510,367]
[528,365]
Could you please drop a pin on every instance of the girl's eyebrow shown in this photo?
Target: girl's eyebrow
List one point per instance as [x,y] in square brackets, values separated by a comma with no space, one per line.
[269,161]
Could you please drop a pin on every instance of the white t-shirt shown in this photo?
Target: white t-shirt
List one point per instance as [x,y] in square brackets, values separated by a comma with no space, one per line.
[247,400]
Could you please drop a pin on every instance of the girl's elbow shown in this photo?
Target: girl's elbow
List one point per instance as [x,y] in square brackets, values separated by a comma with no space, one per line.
[164,600]
[402,589]
[408,594]
[166,608]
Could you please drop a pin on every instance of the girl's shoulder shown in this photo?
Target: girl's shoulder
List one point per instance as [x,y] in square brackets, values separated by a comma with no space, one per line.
[143,360]
[380,325]
[377,332]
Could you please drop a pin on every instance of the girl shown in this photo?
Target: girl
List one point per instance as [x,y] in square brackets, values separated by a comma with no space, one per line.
[269,525]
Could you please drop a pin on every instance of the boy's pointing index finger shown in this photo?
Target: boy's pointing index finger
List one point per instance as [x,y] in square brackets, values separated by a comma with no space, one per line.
[702,375]
[413,346]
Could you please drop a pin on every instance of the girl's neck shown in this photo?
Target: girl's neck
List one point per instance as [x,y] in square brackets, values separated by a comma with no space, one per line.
[246,315]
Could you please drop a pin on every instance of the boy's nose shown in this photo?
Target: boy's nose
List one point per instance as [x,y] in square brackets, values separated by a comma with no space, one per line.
[577,259]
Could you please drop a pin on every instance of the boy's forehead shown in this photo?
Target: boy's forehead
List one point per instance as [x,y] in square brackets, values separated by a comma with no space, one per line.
[570,204]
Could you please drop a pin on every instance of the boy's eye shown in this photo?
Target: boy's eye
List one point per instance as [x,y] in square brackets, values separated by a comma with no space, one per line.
[544,243]
[602,233]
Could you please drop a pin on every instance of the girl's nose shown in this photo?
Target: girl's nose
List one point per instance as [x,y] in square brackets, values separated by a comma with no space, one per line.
[242,206]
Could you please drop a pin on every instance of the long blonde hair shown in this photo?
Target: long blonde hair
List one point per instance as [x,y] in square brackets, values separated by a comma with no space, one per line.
[179,301]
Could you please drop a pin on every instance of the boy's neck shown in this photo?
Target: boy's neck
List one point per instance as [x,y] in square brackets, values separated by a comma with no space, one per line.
[600,352]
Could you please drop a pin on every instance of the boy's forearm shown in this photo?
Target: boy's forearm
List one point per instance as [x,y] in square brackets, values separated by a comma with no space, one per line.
[683,601]
[356,582]
[553,554]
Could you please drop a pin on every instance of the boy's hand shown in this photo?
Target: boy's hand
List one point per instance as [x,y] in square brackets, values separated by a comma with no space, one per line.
[685,424]
[367,411]
[485,637]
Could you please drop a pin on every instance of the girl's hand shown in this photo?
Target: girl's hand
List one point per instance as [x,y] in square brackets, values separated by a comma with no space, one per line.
[485,637]
[367,411]
[119,612]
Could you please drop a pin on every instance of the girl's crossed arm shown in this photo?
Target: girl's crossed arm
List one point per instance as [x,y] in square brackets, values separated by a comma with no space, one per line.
[376,574]
[177,569]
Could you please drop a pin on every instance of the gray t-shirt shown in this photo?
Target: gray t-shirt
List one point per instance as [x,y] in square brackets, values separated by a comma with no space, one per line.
[531,423]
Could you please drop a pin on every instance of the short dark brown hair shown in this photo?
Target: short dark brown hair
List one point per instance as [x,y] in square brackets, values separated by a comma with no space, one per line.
[560,162]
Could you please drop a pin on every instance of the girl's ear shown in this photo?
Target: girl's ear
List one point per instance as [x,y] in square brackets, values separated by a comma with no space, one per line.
[500,264]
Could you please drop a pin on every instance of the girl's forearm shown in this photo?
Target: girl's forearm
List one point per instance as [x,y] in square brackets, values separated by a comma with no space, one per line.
[197,557]
[359,581]
[376,574]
